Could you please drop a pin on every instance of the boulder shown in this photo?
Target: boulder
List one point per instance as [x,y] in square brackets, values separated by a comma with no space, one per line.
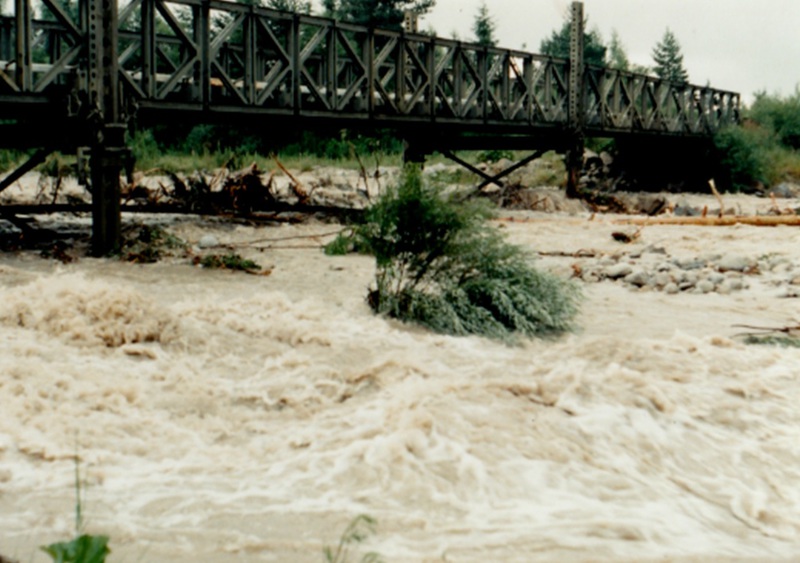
[639,278]
[618,271]
[208,241]
[734,263]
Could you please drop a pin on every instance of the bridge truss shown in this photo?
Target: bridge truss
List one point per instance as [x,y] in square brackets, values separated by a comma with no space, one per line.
[87,71]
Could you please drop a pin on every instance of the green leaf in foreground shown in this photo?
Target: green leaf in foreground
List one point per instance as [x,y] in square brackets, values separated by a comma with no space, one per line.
[358,530]
[83,549]
[441,264]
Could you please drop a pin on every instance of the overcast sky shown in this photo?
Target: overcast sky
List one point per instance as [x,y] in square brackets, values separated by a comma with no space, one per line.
[739,45]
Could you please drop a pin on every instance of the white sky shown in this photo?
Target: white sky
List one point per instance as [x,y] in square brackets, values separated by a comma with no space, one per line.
[739,45]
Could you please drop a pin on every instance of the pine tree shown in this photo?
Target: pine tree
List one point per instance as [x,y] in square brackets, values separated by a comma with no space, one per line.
[385,14]
[617,57]
[669,60]
[484,27]
[297,6]
[557,45]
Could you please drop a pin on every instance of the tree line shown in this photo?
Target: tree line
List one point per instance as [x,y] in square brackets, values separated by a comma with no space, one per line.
[390,14]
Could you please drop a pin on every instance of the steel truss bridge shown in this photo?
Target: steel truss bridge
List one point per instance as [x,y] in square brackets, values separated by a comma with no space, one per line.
[74,77]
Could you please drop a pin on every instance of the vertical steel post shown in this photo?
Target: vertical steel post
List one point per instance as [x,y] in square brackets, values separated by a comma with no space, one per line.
[332,67]
[108,144]
[295,48]
[527,72]
[576,111]
[430,63]
[250,55]
[372,71]
[201,35]
[148,31]
[23,14]
[400,75]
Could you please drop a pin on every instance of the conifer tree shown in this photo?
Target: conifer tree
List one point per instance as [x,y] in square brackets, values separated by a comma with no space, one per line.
[557,45]
[385,14]
[617,57]
[669,60]
[298,6]
[484,27]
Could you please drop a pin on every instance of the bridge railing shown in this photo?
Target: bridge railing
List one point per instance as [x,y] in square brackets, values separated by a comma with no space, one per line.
[621,101]
[40,50]
[229,55]
[222,56]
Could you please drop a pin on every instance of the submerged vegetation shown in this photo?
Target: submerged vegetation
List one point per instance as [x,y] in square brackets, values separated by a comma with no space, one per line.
[440,264]
[774,340]
[229,262]
[147,244]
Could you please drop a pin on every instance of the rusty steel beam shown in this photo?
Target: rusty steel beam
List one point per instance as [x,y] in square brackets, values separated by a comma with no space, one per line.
[576,109]
[35,160]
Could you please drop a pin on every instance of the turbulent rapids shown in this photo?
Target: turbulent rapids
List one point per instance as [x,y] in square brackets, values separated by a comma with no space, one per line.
[226,417]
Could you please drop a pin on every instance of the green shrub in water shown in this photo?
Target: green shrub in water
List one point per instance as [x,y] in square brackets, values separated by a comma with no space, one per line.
[440,264]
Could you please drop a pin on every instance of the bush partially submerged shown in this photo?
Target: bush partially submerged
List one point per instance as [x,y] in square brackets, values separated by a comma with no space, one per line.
[229,262]
[441,265]
[145,244]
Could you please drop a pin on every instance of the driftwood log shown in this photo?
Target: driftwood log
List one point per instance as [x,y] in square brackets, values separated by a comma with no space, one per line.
[724,221]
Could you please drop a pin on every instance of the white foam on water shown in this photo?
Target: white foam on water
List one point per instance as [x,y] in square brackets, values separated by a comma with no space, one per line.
[230,417]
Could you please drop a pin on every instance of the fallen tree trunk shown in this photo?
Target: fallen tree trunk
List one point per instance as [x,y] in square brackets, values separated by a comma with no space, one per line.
[727,220]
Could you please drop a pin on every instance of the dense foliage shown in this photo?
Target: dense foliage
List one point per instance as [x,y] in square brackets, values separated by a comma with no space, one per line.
[441,265]
[765,149]
[779,115]
[385,14]
[557,45]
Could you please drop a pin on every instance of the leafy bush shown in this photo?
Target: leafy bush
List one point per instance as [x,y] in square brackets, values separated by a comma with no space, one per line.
[143,244]
[441,265]
[765,149]
[495,155]
[782,116]
[742,153]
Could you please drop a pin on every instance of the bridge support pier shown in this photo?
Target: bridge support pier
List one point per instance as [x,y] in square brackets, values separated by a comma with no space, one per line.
[108,143]
[414,152]
[105,162]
